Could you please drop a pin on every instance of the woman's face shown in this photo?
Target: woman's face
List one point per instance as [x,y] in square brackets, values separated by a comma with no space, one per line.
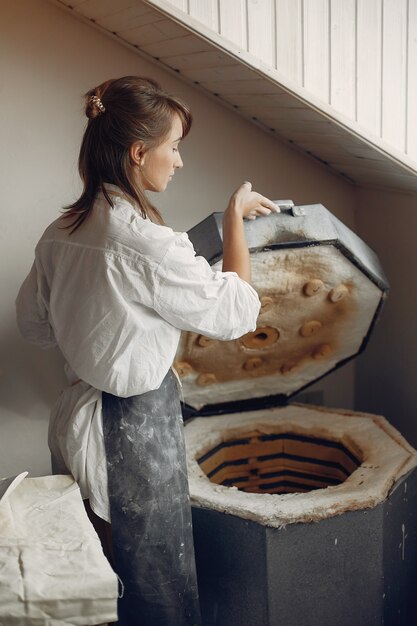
[157,165]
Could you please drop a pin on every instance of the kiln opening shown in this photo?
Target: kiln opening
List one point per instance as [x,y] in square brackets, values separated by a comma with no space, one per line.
[278,463]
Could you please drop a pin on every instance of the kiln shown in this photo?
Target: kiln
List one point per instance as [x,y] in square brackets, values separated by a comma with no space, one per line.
[302,515]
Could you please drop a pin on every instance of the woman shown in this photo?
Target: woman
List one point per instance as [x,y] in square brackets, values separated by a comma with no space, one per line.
[113,288]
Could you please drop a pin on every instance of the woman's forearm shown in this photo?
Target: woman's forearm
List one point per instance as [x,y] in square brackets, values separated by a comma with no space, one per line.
[235,249]
[244,203]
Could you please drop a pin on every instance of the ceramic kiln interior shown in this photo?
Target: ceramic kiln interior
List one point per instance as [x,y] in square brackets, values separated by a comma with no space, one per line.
[316,310]
[363,453]
[278,463]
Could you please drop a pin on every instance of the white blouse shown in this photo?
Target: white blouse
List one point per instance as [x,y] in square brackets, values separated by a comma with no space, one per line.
[115,296]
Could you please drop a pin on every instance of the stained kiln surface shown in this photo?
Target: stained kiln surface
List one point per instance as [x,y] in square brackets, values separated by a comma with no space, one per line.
[317,309]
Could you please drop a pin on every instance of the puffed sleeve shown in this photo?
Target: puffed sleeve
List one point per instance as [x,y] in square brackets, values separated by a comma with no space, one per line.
[193,297]
[31,310]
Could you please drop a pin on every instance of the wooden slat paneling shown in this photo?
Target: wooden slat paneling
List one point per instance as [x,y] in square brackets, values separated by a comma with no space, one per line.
[343,56]
[227,73]
[199,60]
[250,87]
[266,99]
[96,9]
[276,113]
[316,47]
[289,33]
[358,56]
[170,29]
[143,35]
[368,81]
[394,50]
[180,4]
[355,55]
[206,12]
[314,128]
[411,144]
[372,165]
[179,45]
[261,30]
[232,20]
[130,17]
[406,183]
[73,3]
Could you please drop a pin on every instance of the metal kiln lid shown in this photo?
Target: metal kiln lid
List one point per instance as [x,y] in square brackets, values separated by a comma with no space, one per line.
[321,289]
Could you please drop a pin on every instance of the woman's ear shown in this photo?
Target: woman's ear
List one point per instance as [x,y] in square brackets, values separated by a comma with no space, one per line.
[136,153]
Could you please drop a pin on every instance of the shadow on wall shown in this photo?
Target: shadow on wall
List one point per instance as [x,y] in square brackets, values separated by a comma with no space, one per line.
[30,379]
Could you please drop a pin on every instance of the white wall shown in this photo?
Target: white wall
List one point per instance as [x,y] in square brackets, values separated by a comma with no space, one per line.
[386,374]
[48,59]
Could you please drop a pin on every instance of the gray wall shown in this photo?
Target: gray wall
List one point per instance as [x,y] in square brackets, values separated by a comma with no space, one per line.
[386,374]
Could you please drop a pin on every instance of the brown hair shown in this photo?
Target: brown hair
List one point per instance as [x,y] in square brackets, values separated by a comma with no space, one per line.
[121,112]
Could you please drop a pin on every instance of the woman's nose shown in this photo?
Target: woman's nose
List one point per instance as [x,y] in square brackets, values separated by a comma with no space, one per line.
[178,161]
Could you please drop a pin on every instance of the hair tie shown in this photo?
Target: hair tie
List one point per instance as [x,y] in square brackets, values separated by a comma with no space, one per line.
[96,100]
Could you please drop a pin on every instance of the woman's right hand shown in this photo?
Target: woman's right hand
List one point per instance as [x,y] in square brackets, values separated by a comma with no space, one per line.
[250,204]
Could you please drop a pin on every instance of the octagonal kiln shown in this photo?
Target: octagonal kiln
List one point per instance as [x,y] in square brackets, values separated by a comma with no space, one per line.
[295,507]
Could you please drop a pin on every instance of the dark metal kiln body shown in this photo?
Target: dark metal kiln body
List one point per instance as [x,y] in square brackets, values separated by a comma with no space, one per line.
[353,567]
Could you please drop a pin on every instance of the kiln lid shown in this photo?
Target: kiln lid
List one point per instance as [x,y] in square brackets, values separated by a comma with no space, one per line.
[321,289]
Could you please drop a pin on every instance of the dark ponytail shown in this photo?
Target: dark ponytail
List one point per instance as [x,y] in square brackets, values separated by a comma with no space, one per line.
[121,112]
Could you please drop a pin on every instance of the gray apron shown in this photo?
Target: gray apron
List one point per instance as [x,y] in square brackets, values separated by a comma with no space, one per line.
[150,508]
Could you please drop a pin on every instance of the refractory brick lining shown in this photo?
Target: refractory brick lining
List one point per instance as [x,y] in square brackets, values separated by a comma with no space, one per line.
[278,463]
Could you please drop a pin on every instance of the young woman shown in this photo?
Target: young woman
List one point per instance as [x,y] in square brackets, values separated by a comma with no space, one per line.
[113,288]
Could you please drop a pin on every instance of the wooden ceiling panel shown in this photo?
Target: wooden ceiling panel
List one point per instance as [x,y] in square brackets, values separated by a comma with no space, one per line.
[359,163]
[187,44]
[317,127]
[280,113]
[73,4]
[281,100]
[199,60]
[201,56]
[132,17]
[253,86]
[170,29]
[224,73]
[143,35]
[96,9]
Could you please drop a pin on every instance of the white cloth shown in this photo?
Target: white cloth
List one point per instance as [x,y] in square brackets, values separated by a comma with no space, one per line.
[115,296]
[52,568]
